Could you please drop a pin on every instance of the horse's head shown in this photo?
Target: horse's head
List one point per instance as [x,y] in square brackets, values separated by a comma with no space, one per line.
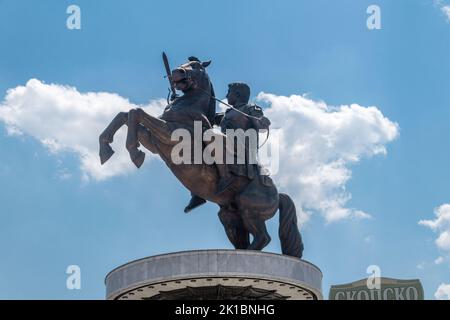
[191,75]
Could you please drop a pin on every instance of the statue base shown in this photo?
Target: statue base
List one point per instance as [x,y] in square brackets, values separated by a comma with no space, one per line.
[216,275]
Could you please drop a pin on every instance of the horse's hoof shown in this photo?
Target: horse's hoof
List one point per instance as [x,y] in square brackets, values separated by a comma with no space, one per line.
[259,243]
[139,158]
[106,152]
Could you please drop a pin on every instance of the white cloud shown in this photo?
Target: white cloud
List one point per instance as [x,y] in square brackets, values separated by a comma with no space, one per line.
[321,142]
[446,11]
[443,292]
[440,225]
[439,260]
[445,8]
[63,119]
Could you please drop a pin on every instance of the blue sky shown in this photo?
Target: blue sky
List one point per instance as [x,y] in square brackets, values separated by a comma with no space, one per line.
[320,48]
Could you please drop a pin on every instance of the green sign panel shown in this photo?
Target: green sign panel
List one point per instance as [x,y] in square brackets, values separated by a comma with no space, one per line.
[389,289]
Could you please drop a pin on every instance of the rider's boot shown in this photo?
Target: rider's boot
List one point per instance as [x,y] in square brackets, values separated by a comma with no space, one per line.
[195,202]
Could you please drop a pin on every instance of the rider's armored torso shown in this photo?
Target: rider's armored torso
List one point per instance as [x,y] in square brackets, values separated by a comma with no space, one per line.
[245,117]
[237,118]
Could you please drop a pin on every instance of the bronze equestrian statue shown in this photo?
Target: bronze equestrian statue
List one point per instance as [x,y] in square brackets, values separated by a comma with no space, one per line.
[246,202]
[240,115]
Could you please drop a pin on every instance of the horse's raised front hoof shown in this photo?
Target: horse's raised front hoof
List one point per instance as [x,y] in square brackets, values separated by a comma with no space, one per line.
[106,152]
[138,158]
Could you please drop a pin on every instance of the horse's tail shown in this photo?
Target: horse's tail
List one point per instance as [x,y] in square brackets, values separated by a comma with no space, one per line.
[290,238]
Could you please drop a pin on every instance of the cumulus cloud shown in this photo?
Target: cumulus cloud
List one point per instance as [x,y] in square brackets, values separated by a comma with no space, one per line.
[439,260]
[446,11]
[440,225]
[65,120]
[445,8]
[443,292]
[319,142]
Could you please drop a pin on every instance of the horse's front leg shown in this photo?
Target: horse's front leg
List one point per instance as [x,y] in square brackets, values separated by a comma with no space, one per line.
[145,139]
[132,144]
[107,136]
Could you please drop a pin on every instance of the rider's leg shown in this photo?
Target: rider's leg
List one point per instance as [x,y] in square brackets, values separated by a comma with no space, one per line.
[223,167]
[226,178]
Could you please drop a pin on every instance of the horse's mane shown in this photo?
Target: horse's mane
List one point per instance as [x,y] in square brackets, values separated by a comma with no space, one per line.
[211,112]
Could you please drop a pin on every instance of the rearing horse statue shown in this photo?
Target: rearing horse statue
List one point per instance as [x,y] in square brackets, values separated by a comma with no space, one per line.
[246,204]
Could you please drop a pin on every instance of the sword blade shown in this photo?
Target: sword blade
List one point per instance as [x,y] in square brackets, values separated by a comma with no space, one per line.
[169,75]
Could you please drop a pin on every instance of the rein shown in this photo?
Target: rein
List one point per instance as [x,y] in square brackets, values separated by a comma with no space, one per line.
[229,105]
[247,115]
[189,79]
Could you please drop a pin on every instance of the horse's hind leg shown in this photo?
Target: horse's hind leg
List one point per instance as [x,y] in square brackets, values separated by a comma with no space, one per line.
[257,227]
[256,204]
[234,228]
[107,136]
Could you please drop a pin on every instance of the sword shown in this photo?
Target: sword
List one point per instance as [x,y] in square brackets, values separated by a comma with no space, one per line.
[173,96]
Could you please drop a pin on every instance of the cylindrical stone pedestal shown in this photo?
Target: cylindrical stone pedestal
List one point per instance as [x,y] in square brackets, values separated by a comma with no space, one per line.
[216,275]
